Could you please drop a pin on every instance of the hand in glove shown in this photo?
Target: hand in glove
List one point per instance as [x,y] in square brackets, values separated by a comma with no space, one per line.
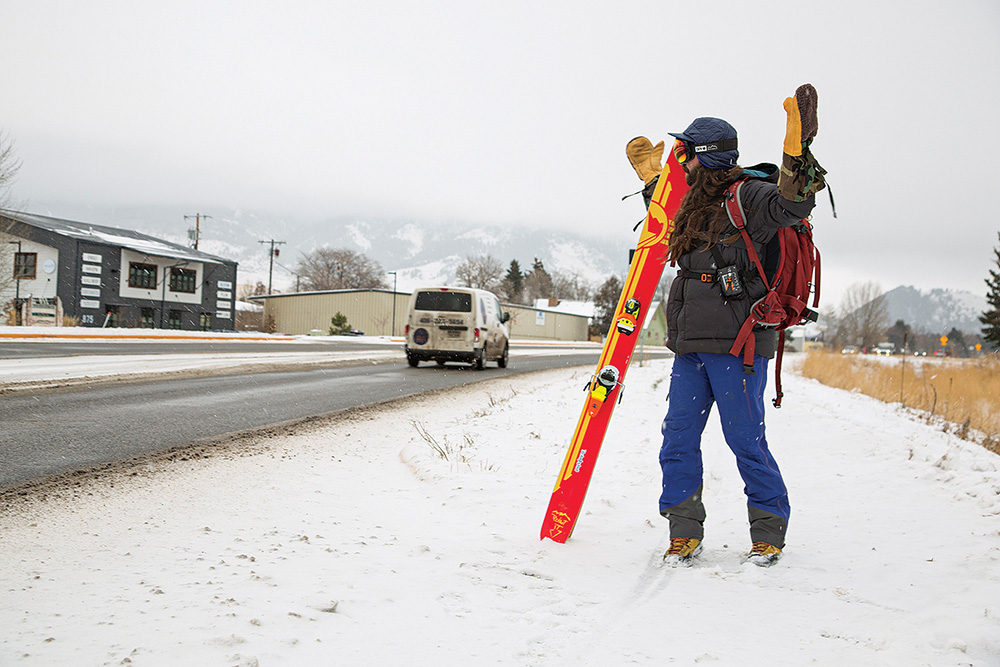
[645,158]
[801,176]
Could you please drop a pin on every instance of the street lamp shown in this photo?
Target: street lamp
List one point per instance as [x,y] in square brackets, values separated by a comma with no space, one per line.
[393,302]
[17,284]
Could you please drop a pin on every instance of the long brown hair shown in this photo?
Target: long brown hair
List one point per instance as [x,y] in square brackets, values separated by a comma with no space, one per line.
[701,217]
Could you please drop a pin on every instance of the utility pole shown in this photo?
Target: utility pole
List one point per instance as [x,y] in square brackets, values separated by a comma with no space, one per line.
[17,289]
[197,226]
[271,254]
[393,273]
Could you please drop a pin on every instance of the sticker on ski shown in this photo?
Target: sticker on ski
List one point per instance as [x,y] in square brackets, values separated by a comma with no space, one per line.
[630,316]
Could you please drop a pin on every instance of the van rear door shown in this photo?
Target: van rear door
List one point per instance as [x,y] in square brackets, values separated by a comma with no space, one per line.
[447,316]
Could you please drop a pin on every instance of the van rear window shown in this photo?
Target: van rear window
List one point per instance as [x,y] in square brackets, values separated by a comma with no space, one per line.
[452,302]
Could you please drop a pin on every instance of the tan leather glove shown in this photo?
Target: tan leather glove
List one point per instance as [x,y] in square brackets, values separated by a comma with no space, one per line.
[646,158]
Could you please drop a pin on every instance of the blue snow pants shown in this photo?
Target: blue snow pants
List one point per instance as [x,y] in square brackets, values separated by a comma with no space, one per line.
[696,381]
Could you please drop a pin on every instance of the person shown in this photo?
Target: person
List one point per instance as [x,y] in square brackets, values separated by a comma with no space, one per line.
[703,323]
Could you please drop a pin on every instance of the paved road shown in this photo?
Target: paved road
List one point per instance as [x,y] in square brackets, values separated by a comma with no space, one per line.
[49,432]
[70,348]
[18,349]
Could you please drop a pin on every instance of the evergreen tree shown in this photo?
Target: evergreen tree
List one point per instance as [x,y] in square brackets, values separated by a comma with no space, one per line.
[605,303]
[991,317]
[339,324]
[899,333]
[956,344]
[512,285]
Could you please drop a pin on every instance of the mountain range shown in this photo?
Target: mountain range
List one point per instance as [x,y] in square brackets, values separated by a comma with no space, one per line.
[420,253]
[937,310]
[424,253]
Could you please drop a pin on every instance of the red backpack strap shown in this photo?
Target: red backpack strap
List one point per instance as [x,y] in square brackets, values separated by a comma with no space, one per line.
[734,208]
[816,274]
[777,370]
[745,340]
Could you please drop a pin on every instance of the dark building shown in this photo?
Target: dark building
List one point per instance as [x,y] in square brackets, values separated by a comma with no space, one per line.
[105,276]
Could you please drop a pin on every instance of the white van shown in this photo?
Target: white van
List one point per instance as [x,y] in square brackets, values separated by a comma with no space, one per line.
[456,324]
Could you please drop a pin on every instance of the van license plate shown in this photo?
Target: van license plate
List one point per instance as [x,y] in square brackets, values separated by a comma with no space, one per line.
[454,334]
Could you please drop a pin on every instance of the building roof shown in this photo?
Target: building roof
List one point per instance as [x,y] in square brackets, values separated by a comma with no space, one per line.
[113,236]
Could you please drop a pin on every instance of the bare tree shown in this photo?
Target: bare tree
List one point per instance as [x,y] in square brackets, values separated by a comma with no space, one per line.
[864,315]
[339,268]
[571,286]
[9,166]
[243,292]
[483,272]
[537,283]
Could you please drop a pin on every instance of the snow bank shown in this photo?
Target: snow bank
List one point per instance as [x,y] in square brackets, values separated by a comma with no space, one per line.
[357,543]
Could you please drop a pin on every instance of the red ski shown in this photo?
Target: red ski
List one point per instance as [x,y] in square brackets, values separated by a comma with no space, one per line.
[605,386]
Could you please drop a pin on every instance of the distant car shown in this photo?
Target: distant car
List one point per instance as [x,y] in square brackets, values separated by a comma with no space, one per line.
[354,332]
[884,349]
[920,353]
[850,349]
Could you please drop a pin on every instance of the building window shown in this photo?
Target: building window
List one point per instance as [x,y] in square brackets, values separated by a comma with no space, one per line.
[183,280]
[113,316]
[142,275]
[24,265]
[205,321]
[148,318]
[174,320]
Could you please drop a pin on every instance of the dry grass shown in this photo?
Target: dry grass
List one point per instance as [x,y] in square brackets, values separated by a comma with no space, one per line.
[965,393]
[453,453]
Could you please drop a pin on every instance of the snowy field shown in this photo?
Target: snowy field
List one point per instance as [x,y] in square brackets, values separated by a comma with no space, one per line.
[408,534]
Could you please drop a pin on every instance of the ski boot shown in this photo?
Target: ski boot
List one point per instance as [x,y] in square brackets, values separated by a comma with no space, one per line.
[763,554]
[682,551]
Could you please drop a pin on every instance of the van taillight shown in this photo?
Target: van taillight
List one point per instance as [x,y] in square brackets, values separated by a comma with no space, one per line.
[406,331]
[476,333]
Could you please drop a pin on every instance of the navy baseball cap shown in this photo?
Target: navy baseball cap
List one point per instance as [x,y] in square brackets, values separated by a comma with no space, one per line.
[713,141]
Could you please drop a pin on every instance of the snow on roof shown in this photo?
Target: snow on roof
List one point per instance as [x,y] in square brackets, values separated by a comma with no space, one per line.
[247,307]
[585,308]
[649,314]
[125,238]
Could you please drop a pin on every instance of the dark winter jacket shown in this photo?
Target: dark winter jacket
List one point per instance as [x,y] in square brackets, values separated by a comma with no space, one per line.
[699,317]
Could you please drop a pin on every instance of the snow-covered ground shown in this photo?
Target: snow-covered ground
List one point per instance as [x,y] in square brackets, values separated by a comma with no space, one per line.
[408,534]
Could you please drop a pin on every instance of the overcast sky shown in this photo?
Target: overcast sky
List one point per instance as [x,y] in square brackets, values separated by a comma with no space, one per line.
[513,113]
